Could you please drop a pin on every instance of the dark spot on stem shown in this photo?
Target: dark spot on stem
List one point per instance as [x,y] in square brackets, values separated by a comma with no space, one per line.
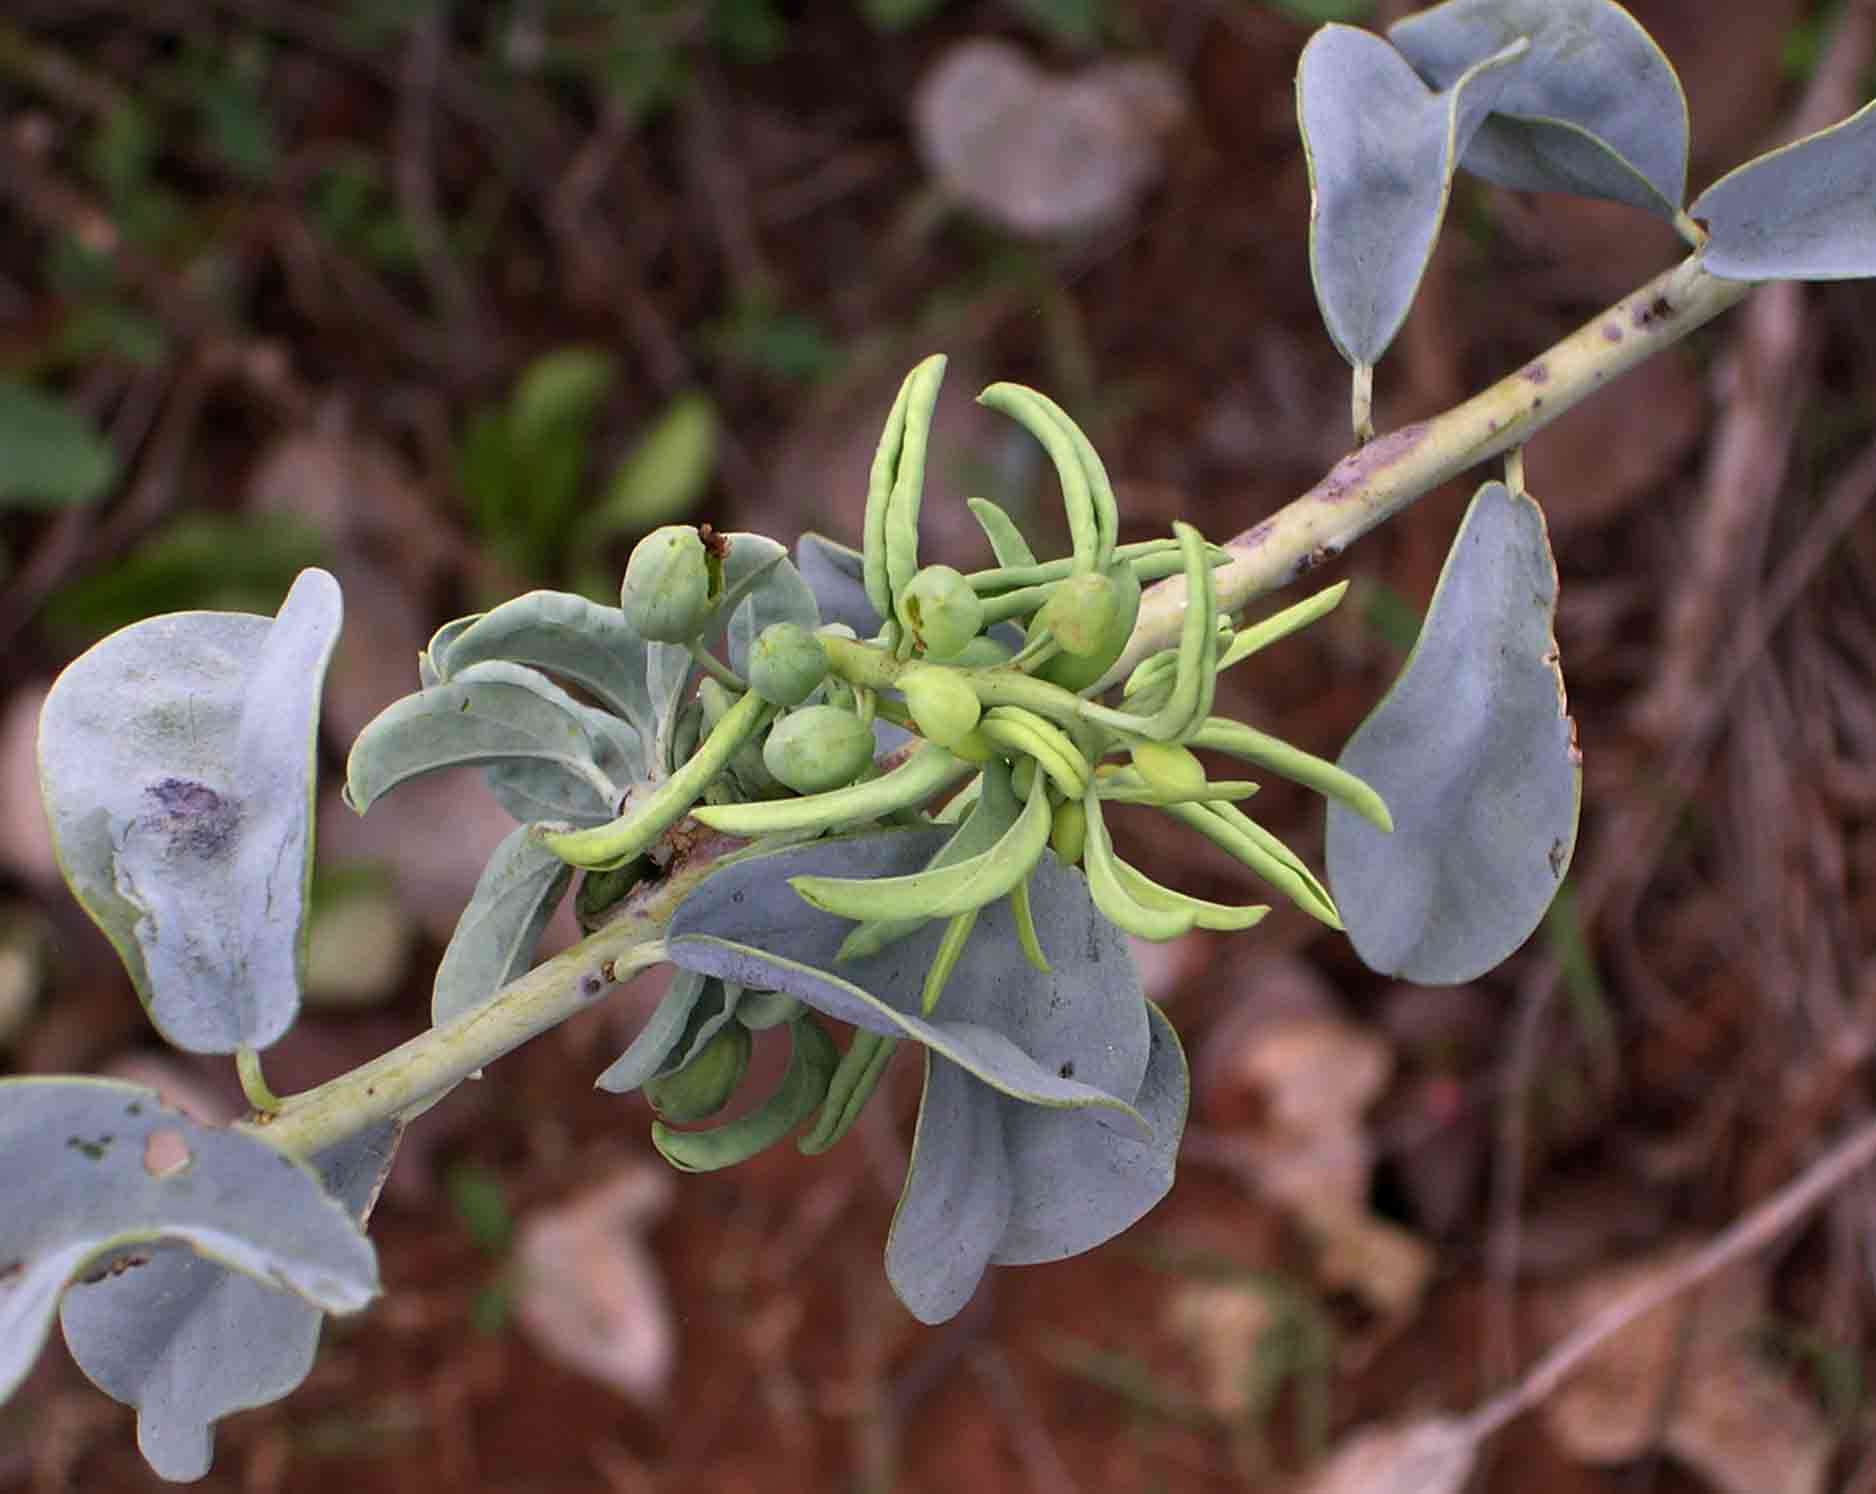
[1612,332]
[91,1151]
[1067,1070]
[1657,310]
[1537,373]
[717,545]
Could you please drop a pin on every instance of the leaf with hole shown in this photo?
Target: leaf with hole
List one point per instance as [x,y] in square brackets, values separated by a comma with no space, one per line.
[177,763]
[1594,108]
[1475,755]
[1381,148]
[94,1171]
[186,1341]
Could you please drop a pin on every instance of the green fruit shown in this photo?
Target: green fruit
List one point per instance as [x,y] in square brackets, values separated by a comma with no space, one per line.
[786,664]
[982,652]
[1116,610]
[671,586]
[942,611]
[1068,830]
[943,706]
[704,1085]
[1169,769]
[818,747]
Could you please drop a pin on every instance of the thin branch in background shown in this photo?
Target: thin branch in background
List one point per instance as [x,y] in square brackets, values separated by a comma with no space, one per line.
[414,174]
[1621,854]
[1746,1236]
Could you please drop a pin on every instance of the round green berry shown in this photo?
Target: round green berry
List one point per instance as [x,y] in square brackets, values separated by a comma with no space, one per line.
[671,585]
[786,664]
[942,611]
[942,704]
[818,747]
[704,1085]
[1113,603]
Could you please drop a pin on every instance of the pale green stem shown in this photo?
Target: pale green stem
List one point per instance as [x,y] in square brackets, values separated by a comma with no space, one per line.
[421,1070]
[1361,403]
[1390,472]
[253,1082]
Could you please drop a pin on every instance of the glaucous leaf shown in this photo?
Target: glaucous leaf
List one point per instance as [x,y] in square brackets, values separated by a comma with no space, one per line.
[495,938]
[1805,212]
[658,1038]
[781,595]
[484,714]
[186,1341]
[834,574]
[93,1167]
[1076,1035]
[1007,1184]
[1054,1102]
[583,642]
[55,457]
[1594,108]
[1475,756]
[433,659]
[1381,148]
[177,763]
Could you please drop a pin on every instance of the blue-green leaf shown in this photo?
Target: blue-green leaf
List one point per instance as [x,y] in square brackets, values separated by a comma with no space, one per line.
[658,1039]
[1594,108]
[186,1341]
[1475,755]
[495,938]
[484,714]
[834,573]
[1381,148]
[1054,1102]
[86,1167]
[1805,212]
[177,762]
[583,642]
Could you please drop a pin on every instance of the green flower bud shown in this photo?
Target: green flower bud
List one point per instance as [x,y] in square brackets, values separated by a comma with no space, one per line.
[1169,769]
[786,664]
[1117,609]
[942,611]
[671,585]
[704,1085]
[818,747]
[943,706]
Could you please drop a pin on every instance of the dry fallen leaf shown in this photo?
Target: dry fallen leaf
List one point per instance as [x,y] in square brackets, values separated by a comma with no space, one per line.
[590,1295]
[1314,1078]
[1222,1324]
[1044,155]
[1430,1456]
[1687,1375]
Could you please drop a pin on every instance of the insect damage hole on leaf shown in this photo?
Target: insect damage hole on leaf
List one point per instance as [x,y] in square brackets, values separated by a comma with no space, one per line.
[165,1153]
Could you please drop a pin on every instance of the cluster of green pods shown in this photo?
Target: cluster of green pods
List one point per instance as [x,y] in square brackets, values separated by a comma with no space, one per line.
[998,677]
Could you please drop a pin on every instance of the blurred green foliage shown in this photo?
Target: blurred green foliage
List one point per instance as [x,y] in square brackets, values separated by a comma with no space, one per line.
[51,456]
[523,467]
